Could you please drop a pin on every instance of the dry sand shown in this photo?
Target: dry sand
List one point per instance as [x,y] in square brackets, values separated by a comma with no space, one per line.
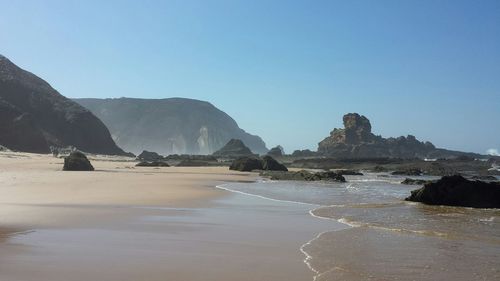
[122,222]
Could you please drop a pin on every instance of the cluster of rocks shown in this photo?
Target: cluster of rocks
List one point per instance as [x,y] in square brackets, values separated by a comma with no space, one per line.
[458,191]
[152,164]
[408,172]
[304,175]
[248,164]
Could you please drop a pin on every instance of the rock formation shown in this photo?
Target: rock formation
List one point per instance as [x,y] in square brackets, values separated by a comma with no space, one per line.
[304,175]
[247,164]
[233,149]
[77,161]
[34,117]
[149,156]
[356,140]
[169,126]
[458,191]
[270,164]
[152,164]
[276,151]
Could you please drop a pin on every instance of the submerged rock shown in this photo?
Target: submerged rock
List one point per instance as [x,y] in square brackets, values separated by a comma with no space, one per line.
[77,161]
[408,172]
[484,178]
[458,191]
[349,173]
[379,169]
[152,164]
[409,181]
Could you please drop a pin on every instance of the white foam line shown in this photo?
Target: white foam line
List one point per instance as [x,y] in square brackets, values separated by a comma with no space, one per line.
[263,197]
[308,257]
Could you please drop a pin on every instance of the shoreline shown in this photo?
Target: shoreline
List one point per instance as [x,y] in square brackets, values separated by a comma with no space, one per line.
[308,258]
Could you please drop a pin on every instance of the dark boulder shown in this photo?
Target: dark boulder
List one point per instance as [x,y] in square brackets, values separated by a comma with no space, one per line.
[77,161]
[149,156]
[458,191]
[246,164]
[270,164]
[152,164]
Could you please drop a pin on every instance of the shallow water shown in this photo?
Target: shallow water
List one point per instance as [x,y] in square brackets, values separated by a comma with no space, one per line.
[238,238]
[391,239]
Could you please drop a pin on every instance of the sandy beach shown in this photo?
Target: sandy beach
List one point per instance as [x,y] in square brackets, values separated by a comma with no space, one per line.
[122,222]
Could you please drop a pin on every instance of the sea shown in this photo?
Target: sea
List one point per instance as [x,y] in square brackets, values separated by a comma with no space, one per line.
[386,237]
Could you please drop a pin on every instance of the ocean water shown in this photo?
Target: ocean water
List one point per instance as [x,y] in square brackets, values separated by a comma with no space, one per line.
[388,238]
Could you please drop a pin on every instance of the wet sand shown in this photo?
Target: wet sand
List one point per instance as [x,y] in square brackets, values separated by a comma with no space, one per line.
[127,223]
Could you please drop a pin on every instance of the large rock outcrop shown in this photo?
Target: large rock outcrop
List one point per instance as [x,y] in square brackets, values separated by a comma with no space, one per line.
[458,191]
[34,117]
[169,126]
[356,140]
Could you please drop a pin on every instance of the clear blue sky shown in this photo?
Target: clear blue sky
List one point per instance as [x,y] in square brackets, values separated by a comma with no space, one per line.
[285,70]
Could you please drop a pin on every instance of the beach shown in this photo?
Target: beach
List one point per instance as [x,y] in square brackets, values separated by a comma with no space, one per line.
[122,222]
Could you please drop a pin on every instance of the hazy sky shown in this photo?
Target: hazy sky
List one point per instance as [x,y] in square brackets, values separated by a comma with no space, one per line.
[285,70]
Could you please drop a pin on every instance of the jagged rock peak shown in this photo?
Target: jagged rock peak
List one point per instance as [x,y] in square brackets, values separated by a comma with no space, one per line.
[234,148]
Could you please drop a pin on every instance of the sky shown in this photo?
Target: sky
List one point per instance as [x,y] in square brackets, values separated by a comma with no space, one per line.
[284,70]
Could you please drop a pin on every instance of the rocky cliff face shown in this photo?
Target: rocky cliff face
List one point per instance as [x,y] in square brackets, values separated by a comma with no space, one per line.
[34,116]
[169,126]
[356,140]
